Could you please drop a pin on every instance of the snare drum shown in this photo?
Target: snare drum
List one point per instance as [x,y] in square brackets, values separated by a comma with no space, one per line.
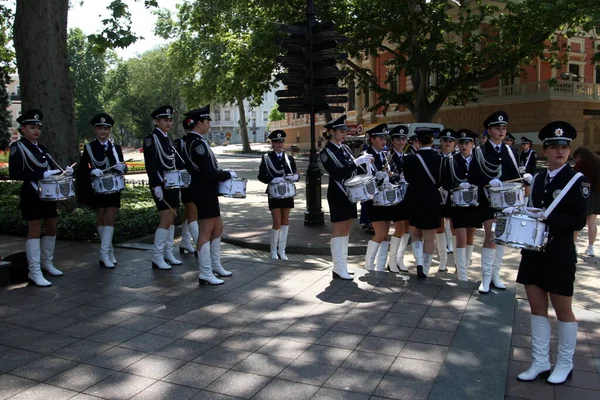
[56,189]
[464,197]
[507,195]
[172,179]
[520,231]
[108,183]
[389,195]
[282,190]
[361,188]
[234,188]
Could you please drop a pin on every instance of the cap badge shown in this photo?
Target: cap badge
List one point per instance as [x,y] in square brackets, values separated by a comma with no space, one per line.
[401,130]
[463,134]
[500,118]
[36,116]
[558,132]
[279,135]
[168,111]
[102,119]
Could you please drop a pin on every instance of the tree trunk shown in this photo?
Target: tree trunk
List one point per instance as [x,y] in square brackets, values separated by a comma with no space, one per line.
[243,127]
[40,38]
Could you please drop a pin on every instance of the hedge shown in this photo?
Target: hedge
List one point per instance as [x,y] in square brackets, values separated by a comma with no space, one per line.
[137,216]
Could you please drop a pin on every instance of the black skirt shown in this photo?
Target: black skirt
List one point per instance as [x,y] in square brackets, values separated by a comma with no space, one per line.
[378,214]
[537,268]
[34,209]
[186,195]
[170,199]
[208,207]
[400,212]
[466,217]
[425,219]
[341,209]
[281,203]
[106,200]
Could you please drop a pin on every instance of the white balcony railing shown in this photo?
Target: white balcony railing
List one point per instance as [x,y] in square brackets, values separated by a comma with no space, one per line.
[542,90]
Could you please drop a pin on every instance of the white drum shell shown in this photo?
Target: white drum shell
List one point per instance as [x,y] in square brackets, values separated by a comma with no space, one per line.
[361,188]
[282,190]
[507,195]
[108,183]
[520,231]
[464,197]
[389,196]
[172,179]
[184,179]
[234,188]
[56,189]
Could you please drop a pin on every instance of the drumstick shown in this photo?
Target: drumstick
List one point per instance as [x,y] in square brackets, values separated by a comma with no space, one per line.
[65,171]
[168,205]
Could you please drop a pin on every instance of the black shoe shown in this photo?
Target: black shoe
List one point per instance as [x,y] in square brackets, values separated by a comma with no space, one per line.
[420,273]
[336,276]
[541,375]
[205,282]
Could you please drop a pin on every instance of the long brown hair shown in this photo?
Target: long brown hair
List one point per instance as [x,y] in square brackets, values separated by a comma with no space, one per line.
[588,165]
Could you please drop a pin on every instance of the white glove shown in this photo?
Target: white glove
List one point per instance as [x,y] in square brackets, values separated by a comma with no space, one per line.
[233,174]
[69,171]
[464,185]
[158,193]
[48,174]
[278,180]
[364,159]
[533,212]
[528,178]
[496,183]
[510,210]
[120,167]
[96,172]
[292,178]
[522,170]
[379,175]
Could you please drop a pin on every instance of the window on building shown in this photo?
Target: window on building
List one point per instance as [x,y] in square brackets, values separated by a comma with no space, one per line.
[217,113]
[574,69]
[253,116]
[265,116]
[392,82]
[351,95]
[227,115]
[597,78]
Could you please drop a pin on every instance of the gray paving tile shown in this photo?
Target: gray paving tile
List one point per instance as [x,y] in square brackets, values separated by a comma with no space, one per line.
[423,351]
[443,338]
[184,349]
[137,307]
[83,312]
[53,323]
[354,380]
[195,375]
[82,396]
[391,331]
[307,372]
[49,343]
[439,324]
[222,357]
[267,328]
[262,364]
[154,366]
[116,358]
[163,390]
[284,348]
[166,311]
[43,368]
[567,393]
[245,341]
[238,384]
[334,394]
[142,323]
[12,385]
[325,355]
[112,317]
[529,390]
[82,329]
[173,328]
[42,391]
[81,351]
[120,386]
[114,335]
[19,335]
[80,377]
[148,342]
[380,345]
[371,362]
[302,333]
[341,340]
[403,388]
[415,369]
[230,322]
[14,358]
[209,335]
[354,326]
[277,389]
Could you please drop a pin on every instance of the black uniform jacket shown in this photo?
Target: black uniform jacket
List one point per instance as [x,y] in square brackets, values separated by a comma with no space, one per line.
[153,143]
[180,160]
[396,165]
[422,193]
[528,159]
[203,167]
[339,164]
[569,216]
[86,165]
[22,169]
[378,162]
[266,174]
[493,158]
[461,171]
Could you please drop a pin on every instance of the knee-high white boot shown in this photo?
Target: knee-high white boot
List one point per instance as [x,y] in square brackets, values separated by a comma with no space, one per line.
[283,235]
[567,340]
[424,271]
[193,227]
[382,255]
[105,241]
[158,251]
[206,276]
[401,251]
[340,267]
[496,282]
[448,232]
[461,263]
[372,248]
[186,244]
[417,248]
[274,241]
[48,243]
[345,253]
[32,249]
[469,253]
[169,257]
[215,258]
[487,259]
[392,261]
[540,350]
[440,238]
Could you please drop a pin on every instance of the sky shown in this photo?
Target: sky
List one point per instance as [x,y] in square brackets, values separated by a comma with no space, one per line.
[88,17]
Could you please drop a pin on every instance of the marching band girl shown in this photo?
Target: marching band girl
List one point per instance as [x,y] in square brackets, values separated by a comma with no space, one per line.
[100,157]
[189,227]
[277,167]
[30,162]
[443,235]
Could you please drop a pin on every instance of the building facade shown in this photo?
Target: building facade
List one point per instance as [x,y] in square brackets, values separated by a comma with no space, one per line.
[14,93]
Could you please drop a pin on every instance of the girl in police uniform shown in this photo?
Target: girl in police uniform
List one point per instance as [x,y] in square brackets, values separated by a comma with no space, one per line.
[29,162]
[99,157]
[189,227]
[339,163]
[551,273]
[275,167]
[443,235]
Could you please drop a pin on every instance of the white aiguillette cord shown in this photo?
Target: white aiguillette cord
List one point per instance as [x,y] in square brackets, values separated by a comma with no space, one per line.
[562,194]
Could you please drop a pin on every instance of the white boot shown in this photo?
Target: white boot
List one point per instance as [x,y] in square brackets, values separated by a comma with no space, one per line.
[469,254]
[426,265]
[345,253]
[392,261]
[206,276]
[448,233]
[274,241]
[461,263]
[48,243]
[567,340]
[590,251]
[540,350]
[496,282]
[158,251]
[417,248]
[372,248]
[440,238]
[185,245]
[169,257]
[487,259]
[283,235]
[382,255]
[340,268]
[32,249]
[401,250]
[215,258]
[105,241]
[193,227]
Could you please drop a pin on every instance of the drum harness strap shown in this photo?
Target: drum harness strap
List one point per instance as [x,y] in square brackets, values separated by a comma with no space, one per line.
[512,157]
[483,164]
[528,158]
[272,168]
[27,155]
[203,142]
[339,165]
[97,164]
[453,171]
[162,155]
[427,170]
[558,198]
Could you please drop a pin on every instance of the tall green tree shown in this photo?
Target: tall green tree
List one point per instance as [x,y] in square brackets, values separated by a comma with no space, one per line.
[224,51]
[7,67]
